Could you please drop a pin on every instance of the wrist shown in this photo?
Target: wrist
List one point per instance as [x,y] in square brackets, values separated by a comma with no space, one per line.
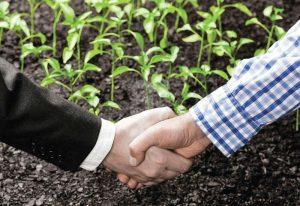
[194,131]
[103,146]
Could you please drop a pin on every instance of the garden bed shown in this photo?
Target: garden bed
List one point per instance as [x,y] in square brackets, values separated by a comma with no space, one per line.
[265,172]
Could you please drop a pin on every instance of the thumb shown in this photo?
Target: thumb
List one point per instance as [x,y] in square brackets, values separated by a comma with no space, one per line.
[150,118]
[167,135]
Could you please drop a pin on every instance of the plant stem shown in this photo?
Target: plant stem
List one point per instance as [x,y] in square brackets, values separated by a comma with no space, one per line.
[32,11]
[130,21]
[102,23]
[169,74]
[155,35]
[21,59]
[131,15]
[205,85]
[148,103]
[119,33]
[200,50]
[22,64]
[209,55]
[200,83]
[220,22]
[101,29]
[57,16]
[79,50]
[177,17]
[270,36]
[112,86]
[138,5]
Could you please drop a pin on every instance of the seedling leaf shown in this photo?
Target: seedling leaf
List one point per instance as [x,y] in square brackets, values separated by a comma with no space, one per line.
[111,104]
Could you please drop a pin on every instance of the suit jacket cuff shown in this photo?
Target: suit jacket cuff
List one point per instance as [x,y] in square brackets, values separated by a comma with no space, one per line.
[102,147]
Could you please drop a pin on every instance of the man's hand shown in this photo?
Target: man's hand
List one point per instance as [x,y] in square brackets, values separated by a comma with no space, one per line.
[179,133]
[158,164]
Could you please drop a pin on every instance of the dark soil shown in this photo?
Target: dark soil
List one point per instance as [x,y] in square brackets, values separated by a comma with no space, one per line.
[265,172]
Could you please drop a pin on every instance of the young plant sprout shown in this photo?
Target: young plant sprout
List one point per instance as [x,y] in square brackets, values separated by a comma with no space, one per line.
[180,4]
[90,94]
[55,74]
[156,18]
[163,92]
[146,61]
[104,8]
[203,30]
[59,7]
[118,19]
[273,14]
[230,48]
[34,5]
[204,71]
[29,49]
[239,6]
[4,24]
[116,53]
[76,25]
[129,11]
[19,26]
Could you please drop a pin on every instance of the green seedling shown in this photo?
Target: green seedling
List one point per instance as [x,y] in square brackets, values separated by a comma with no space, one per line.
[129,11]
[146,61]
[90,94]
[34,5]
[55,74]
[104,9]
[239,6]
[277,32]
[156,19]
[76,25]
[29,49]
[116,53]
[163,92]
[4,24]
[202,31]
[204,71]
[59,7]
[180,5]
[19,26]
[230,48]
[118,19]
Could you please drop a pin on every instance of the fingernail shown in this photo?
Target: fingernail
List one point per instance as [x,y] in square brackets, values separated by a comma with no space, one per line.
[132,161]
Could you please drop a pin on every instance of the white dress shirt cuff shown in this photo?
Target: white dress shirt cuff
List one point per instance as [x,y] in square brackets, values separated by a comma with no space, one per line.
[102,147]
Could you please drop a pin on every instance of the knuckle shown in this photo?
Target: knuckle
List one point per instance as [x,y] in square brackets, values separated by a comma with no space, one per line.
[152,151]
[132,149]
[168,112]
[160,159]
[185,167]
[149,173]
[157,156]
[154,172]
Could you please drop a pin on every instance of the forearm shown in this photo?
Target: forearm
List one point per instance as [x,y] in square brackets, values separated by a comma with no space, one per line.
[43,124]
[262,90]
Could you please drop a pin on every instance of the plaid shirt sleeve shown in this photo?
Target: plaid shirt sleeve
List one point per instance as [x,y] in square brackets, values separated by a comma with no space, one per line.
[263,89]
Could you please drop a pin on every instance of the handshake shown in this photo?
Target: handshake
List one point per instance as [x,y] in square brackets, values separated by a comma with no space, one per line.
[154,146]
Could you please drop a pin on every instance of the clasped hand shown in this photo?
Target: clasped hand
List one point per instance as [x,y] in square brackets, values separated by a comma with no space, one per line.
[154,146]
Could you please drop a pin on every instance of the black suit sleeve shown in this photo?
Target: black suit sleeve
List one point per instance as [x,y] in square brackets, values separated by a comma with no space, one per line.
[43,124]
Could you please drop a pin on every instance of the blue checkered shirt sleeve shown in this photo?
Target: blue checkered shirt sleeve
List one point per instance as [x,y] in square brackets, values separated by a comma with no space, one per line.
[262,90]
